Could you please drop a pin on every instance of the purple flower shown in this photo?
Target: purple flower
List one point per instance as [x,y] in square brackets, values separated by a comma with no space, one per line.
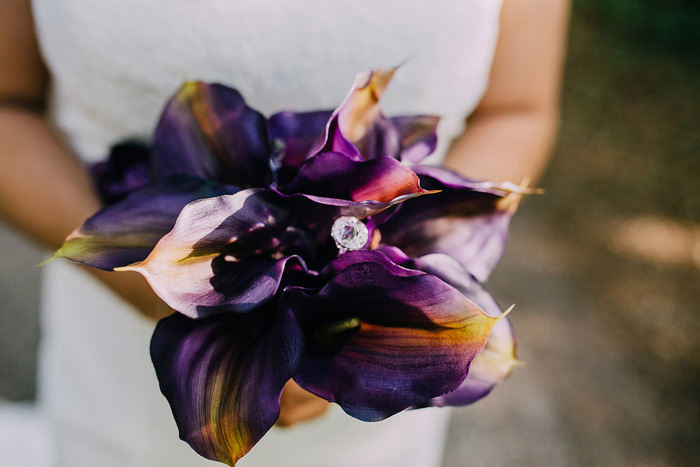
[236,233]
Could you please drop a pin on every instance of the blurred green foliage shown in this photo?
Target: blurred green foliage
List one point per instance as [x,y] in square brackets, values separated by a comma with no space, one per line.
[666,25]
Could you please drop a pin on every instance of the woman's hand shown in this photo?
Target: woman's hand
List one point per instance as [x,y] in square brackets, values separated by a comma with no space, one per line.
[298,405]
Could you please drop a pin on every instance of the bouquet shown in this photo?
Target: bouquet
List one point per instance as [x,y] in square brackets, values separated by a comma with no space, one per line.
[311,246]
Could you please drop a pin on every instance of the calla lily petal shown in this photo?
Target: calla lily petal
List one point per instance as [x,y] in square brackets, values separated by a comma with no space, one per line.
[126,170]
[298,131]
[335,175]
[381,338]
[335,141]
[466,220]
[450,179]
[493,365]
[224,253]
[360,110]
[223,376]
[490,368]
[379,257]
[360,121]
[449,270]
[382,139]
[209,131]
[418,136]
[127,231]
[358,128]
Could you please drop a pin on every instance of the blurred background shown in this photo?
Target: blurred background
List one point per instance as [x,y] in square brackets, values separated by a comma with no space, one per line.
[604,268]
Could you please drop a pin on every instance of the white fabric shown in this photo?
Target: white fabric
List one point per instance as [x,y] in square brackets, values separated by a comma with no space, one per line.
[24,436]
[114,64]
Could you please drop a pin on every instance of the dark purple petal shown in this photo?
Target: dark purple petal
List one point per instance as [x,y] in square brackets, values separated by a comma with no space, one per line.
[381,338]
[357,128]
[380,257]
[360,109]
[223,376]
[126,232]
[126,170]
[490,368]
[209,131]
[298,131]
[224,253]
[441,178]
[418,136]
[466,220]
[449,270]
[381,139]
[335,141]
[493,365]
[335,175]
[241,286]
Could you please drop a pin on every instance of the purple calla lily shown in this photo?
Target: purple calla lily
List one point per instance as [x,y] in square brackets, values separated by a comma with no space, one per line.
[382,338]
[223,376]
[465,219]
[235,232]
[497,360]
[359,128]
[126,170]
[209,131]
[127,231]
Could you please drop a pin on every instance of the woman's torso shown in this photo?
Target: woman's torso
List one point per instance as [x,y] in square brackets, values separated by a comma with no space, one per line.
[114,63]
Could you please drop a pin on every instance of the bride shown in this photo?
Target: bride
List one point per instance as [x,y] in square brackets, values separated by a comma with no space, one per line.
[79,76]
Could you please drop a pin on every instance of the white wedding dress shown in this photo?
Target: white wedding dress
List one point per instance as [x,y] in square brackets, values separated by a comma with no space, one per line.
[114,64]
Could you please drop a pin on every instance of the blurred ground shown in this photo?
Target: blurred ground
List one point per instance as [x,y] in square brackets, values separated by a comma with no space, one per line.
[604,269]
[19,318]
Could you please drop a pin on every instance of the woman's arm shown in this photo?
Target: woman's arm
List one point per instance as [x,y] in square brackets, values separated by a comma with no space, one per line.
[44,190]
[510,135]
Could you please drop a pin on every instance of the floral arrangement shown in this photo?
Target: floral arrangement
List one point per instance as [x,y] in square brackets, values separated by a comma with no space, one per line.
[311,246]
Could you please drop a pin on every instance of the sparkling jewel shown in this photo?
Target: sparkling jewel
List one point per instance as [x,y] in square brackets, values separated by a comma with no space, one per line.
[349,233]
